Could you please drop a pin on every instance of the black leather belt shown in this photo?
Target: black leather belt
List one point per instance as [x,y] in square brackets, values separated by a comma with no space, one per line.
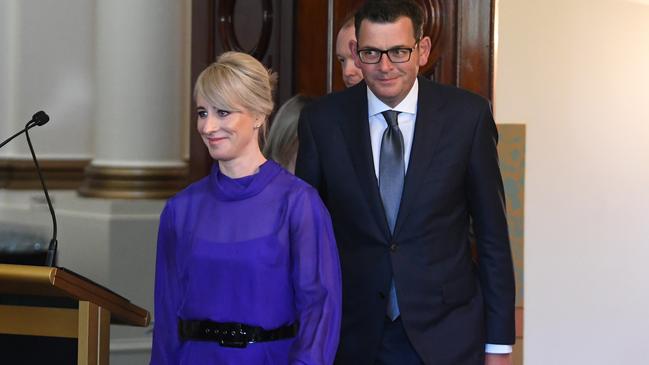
[232,334]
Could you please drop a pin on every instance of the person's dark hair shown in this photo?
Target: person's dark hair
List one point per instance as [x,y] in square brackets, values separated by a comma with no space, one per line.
[388,11]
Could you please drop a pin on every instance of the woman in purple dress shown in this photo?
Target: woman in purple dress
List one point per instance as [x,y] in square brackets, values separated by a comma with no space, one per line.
[247,267]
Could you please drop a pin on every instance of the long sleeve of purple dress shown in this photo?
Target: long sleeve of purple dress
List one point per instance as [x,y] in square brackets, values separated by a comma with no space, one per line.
[258,250]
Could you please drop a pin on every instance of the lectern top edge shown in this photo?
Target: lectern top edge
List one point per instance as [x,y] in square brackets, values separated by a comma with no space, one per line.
[59,282]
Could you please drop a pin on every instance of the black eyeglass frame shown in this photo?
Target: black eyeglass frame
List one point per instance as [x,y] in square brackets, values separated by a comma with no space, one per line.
[387,53]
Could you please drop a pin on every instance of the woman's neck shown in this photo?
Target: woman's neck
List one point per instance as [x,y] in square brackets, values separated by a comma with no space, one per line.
[242,166]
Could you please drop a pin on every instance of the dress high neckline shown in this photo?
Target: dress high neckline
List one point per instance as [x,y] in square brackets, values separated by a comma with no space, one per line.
[227,188]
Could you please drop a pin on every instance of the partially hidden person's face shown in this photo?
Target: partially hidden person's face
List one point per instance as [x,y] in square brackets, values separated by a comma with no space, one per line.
[389,81]
[351,74]
[227,134]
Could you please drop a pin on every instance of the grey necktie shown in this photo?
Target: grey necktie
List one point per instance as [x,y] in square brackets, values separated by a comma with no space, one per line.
[391,176]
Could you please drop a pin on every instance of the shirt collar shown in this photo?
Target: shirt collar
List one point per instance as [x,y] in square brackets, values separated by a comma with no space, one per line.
[407,105]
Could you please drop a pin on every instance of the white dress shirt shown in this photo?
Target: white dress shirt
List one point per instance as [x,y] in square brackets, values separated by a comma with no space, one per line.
[406,118]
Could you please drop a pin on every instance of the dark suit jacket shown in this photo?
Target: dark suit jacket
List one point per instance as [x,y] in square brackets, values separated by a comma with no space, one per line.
[450,306]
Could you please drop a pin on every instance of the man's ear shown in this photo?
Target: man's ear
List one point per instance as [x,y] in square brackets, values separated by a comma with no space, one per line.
[424,51]
[353,47]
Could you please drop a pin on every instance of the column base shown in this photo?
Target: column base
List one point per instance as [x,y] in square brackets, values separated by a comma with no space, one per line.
[20,174]
[132,182]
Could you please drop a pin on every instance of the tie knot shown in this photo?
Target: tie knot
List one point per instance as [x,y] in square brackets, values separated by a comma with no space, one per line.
[391,118]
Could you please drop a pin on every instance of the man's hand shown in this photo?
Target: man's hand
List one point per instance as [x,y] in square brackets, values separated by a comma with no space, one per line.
[499,359]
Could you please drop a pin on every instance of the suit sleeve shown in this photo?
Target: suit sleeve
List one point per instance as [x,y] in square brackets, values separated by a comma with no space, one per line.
[487,207]
[307,165]
[166,342]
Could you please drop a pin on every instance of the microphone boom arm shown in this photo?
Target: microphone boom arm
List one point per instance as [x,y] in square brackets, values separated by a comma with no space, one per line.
[39,119]
[51,250]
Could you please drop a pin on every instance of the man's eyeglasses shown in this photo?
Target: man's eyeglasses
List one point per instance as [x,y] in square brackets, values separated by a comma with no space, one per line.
[395,55]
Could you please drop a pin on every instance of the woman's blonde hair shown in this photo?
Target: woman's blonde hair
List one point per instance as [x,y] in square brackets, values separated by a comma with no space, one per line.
[238,80]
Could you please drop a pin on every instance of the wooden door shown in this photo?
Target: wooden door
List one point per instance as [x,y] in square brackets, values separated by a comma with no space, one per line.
[460,30]
[296,38]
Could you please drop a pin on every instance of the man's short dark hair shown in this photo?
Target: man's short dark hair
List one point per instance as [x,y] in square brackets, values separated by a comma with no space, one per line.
[388,11]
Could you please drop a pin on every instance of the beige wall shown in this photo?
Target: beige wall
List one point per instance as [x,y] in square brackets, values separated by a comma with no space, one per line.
[576,72]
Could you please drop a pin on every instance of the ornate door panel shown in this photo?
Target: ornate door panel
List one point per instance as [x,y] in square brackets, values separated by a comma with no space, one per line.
[460,30]
[262,28]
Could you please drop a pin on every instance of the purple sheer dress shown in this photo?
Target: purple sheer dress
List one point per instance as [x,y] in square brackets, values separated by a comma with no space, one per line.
[258,250]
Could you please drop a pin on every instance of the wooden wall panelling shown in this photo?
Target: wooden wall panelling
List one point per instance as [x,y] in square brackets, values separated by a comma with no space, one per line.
[203,53]
[460,30]
[311,47]
[475,46]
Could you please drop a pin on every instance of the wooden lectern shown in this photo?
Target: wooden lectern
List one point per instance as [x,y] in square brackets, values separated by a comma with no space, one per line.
[98,307]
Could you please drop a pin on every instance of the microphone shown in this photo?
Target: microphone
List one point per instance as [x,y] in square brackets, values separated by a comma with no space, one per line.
[38,119]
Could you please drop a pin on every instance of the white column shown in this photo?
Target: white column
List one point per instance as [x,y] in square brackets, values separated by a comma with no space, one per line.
[47,63]
[7,72]
[141,89]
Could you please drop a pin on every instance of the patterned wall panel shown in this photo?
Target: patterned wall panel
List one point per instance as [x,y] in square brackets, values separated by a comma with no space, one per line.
[249,21]
[433,26]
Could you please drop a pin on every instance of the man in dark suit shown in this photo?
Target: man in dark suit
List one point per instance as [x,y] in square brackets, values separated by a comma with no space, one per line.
[404,164]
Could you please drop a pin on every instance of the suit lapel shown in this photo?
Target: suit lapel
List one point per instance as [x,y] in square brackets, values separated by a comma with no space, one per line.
[428,128]
[356,131]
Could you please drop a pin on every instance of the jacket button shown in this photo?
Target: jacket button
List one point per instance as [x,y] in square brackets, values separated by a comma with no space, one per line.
[381,295]
[393,247]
